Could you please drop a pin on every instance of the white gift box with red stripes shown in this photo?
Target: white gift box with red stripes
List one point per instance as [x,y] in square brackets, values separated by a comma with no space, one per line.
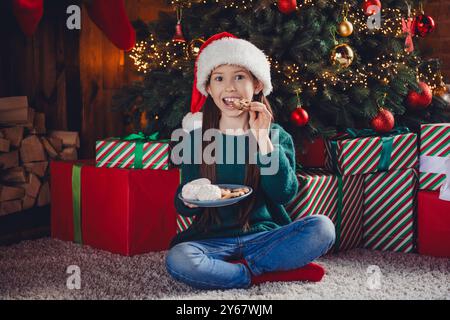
[434,153]
[338,197]
[116,153]
[389,202]
[361,155]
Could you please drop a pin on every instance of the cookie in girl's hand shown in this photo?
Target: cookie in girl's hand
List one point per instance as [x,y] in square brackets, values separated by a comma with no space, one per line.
[242,104]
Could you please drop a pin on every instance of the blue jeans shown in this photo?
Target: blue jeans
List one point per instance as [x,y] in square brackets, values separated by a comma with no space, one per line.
[203,264]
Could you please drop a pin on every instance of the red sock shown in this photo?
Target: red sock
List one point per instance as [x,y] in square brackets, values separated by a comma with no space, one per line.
[111,17]
[310,272]
[28,14]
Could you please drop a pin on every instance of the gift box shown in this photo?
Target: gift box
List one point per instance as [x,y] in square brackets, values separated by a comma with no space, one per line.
[339,198]
[434,152]
[183,223]
[433,219]
[122,211]
[135,151]
[389,205]
[364,151]
[311,154]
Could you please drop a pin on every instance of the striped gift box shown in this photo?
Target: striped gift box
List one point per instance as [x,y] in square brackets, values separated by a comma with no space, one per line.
[388,220]
[318,194]
[183,223]
[116,153]
[364,155]
[434,148]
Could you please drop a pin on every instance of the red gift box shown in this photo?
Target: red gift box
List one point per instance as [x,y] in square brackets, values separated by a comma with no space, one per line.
[122,211]
[433,224]
[312,154]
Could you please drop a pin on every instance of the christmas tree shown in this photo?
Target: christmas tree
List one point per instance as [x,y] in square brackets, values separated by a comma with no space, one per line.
[348,64]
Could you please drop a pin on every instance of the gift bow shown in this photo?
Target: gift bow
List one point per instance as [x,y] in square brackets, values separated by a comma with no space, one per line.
[439,165]
[359,133]
[408,28]
[140,138]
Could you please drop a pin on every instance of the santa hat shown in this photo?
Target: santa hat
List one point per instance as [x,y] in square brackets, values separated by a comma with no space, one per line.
[224,48]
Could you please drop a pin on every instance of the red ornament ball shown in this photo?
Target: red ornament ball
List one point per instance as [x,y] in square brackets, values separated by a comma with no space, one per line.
[383,122]
[424,25]
[287,6]
[421,100]
[299,117]
[368,9]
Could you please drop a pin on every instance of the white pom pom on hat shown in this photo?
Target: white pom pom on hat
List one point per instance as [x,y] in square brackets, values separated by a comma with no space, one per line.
[224,48]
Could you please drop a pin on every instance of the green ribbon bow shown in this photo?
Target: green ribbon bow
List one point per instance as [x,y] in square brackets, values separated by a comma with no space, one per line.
[340,205]
[140,138]
[76,201]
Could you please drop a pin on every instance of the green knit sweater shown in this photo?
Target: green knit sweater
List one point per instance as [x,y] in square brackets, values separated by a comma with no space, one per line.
[274,191]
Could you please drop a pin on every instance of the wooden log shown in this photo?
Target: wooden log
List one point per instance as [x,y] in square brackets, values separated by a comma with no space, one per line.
[39,123]
[69,154]
[28,202]
[17,174]
[14,110]
[49,148]
[32,150]
[9,159]
[14,135]
[8,207]
[37,168]
[56,143]
[44,195]
[31,186]
[69,138]
[11,193]
[4,145]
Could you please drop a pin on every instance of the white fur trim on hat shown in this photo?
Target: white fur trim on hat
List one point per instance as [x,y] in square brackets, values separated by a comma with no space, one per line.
[233,51]
[192,121]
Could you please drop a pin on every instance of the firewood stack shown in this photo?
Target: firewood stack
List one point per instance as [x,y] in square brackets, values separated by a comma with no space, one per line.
[25,151]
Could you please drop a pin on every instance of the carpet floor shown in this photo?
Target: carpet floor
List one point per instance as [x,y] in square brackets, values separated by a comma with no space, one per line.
[38,270]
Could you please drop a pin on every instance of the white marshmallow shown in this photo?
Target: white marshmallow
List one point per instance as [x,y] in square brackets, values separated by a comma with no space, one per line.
[208,192]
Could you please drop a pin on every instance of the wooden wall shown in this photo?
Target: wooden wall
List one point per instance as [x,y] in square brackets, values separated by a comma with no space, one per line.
[437,45]
[70,75]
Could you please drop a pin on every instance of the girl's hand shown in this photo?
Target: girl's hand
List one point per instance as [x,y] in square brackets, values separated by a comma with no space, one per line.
[190,205]
[260,119]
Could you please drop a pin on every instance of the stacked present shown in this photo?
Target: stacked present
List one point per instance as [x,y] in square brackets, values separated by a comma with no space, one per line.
[434,194]
[123,202]
[367,189]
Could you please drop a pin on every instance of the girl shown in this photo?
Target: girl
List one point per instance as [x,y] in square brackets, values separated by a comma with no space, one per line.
[254,240]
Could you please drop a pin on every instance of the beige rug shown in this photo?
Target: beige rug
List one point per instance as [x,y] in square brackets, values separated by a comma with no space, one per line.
[38,270]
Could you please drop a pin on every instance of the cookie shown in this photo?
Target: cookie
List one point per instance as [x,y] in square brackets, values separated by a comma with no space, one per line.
[242,104]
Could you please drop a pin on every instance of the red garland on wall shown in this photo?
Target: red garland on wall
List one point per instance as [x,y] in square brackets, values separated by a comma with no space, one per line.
[109,15]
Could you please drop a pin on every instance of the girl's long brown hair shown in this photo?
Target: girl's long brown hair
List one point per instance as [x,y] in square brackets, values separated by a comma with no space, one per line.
[211,117]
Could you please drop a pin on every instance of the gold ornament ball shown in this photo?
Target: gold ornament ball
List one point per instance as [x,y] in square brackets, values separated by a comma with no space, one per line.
[342,55]
[193,48]
[345,28]
[440,90]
